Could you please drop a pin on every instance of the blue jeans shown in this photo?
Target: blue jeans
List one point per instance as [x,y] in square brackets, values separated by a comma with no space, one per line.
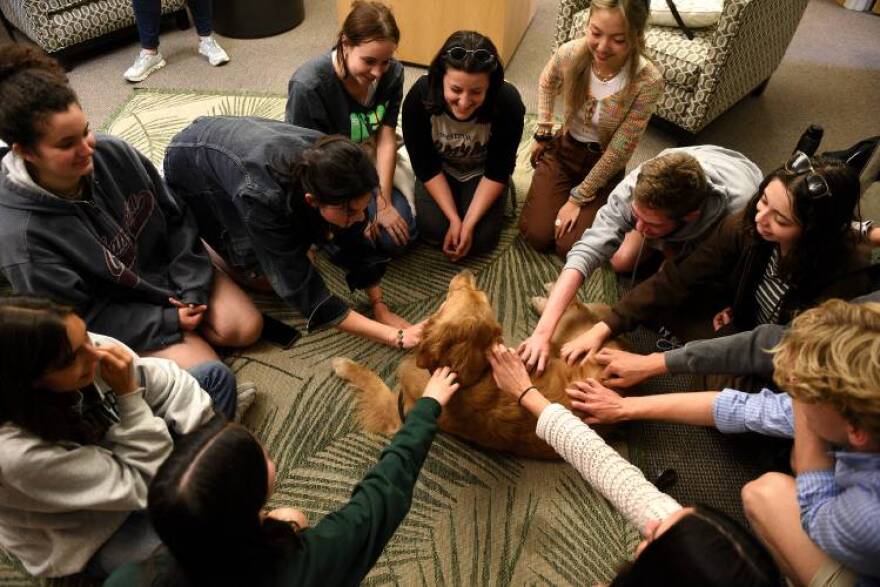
[384,244]
[219,381]
[148,16]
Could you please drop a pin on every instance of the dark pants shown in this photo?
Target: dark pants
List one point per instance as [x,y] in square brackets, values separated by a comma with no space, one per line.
[148,16]
[433,224]
[564,164]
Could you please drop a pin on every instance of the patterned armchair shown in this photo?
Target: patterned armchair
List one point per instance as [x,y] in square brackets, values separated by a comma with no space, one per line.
[58,25]
[722,64]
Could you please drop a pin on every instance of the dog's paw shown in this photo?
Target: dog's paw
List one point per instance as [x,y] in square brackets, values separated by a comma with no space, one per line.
[548,287]
[344,368]
[539,303]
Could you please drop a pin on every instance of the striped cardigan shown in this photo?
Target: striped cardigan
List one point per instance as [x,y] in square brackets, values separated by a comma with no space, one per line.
[623,119]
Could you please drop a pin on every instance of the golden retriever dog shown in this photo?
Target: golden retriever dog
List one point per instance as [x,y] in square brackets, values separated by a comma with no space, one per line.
[459,335]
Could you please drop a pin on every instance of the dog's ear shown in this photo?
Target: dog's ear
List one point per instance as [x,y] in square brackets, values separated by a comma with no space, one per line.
[462,346]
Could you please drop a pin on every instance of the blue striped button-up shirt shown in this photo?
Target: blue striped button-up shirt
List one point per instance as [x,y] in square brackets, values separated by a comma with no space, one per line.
[840,508]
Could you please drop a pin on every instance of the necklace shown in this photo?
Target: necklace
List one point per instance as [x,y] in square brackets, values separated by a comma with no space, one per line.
[604,78]
[74,195]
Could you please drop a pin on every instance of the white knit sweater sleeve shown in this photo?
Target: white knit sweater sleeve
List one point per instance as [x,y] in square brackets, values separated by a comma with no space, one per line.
[621,482]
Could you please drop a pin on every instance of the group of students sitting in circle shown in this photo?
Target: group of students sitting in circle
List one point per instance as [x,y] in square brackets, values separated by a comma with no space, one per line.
[111,446]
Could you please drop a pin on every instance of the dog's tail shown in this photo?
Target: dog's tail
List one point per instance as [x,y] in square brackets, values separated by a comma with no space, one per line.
[376,404]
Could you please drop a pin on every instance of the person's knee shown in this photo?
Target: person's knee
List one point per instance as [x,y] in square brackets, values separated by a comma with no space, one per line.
[251,328]
[486,241]
[538,239]
[241,328]
[763,494]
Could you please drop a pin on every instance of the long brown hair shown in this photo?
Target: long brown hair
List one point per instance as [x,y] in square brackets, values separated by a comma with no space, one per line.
[33,342]
[577,77]
[366,21]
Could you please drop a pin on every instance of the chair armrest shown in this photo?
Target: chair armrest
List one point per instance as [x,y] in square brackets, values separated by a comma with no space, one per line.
[564,16]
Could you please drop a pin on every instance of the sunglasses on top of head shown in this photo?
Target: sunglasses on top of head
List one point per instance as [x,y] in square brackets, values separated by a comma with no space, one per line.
[479,56]
[800,164]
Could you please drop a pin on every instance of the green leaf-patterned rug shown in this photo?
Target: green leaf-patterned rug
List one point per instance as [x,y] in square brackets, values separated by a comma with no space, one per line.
[478,518]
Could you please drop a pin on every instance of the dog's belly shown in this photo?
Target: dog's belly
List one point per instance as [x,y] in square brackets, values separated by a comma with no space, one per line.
[490,418]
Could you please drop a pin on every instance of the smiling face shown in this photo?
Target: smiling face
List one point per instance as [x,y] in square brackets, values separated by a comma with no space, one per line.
[80,370]
[607,40]
[367,62]
[464,92]
[774,218]
[63,154]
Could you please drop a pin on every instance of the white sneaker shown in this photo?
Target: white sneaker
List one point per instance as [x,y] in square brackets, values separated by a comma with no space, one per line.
[214,52]
[144,65]
[246,393]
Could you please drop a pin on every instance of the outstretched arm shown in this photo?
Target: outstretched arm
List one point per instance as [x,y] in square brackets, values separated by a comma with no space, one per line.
[535,350]
[599,464]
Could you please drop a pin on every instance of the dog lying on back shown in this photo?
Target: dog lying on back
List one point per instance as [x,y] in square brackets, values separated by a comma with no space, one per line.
[459,335]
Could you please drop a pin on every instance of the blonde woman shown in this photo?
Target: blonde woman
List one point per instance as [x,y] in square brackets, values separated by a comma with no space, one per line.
[610,90]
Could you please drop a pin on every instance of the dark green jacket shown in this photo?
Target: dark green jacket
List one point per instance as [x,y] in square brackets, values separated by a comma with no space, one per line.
[344,545]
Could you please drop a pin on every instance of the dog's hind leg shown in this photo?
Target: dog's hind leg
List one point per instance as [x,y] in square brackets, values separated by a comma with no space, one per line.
[376,404]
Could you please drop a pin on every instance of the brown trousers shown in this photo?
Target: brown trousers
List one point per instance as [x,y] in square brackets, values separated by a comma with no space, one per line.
[564,164]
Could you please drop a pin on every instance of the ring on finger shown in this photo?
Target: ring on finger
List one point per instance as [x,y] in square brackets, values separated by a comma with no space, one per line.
[558,223]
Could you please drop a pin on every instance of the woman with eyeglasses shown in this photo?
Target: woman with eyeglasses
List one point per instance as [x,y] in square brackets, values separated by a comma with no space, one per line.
[355,90]
[264,192]
[610,90]
[687,546]
[462,124]
[790,249]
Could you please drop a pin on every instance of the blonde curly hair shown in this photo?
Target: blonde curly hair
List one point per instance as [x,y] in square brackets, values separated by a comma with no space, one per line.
[831,355]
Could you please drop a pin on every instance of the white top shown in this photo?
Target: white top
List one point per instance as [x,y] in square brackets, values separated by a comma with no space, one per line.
[621,482]
[60,501]
[578,127]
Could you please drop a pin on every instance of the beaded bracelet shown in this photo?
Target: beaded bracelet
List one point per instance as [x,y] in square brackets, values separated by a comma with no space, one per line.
[400,338]
[523,394]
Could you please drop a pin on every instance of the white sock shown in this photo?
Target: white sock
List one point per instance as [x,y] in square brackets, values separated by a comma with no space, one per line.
[203,39]
[149,51]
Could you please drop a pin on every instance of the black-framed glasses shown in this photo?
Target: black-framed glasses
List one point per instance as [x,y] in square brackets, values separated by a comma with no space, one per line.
[800,164]
[480,56]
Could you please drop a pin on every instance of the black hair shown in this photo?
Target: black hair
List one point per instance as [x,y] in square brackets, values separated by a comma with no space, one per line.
[33,87]
[335,171]
[705,548]
[205,503]
[826,233]
[435,103]
[33,342]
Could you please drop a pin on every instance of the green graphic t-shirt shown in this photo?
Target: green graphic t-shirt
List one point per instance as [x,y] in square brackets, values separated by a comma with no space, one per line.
[317,99]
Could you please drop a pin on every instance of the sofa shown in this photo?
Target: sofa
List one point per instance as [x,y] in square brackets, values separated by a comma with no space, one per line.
[61,27]
[721,65]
